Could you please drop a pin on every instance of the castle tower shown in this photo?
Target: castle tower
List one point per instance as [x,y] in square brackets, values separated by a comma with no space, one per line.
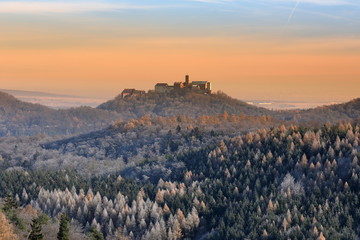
[187,81]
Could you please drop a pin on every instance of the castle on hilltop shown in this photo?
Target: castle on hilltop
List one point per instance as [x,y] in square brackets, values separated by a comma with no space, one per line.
[198,86]
[203,87]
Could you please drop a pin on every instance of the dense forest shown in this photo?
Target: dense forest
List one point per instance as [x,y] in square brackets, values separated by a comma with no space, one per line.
[279,183]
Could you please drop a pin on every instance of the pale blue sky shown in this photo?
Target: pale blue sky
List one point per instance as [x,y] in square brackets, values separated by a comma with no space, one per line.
[203,17]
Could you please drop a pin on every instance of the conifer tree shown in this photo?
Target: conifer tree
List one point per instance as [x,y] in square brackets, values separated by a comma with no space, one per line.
[9,203]
[35,233]
[94,234]
[63,233]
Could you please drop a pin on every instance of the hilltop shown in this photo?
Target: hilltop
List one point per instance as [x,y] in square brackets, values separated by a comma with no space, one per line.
[195,104]
[187,103]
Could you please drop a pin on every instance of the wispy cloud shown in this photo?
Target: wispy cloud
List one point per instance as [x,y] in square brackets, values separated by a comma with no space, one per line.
[212,1]
[64,6]
[318,2]
[67,7]
[293,10]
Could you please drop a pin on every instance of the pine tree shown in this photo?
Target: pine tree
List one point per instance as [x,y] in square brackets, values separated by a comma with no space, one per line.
[94,234]
[9,203]
[63,233]
[35,233]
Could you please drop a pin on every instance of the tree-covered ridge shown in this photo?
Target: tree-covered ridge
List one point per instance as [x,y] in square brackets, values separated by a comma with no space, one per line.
[292,183]
[153,137]
[189,103]
[19,118]
[331,113]
[126,144]
[194,105]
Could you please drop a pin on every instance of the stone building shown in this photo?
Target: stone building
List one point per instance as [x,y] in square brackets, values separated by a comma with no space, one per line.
[163,88]
[130,92]
[203,87]
[198,86]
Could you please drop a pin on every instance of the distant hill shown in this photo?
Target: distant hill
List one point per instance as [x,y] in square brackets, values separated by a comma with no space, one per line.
[21,118]
[56,101]
[331,113]
[190,104]
[35,93]
[194,105]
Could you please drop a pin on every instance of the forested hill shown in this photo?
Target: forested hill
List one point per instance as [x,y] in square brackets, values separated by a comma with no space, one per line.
[195,104]
[332,113]
[153,139]
[21,118]
[189,104]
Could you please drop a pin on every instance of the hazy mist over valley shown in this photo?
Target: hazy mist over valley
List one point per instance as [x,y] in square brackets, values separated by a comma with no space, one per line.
[67,101]
[54,100]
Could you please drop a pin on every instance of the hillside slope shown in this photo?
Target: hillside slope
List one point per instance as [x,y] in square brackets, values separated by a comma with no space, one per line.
[194,105]
[21,118]
[331,113]
[189,104]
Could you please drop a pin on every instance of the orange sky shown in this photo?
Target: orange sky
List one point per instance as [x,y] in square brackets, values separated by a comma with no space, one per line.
[244,69]
[100,54]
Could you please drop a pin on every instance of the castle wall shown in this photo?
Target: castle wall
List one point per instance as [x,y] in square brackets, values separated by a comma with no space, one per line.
[199,86]
[162,88]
